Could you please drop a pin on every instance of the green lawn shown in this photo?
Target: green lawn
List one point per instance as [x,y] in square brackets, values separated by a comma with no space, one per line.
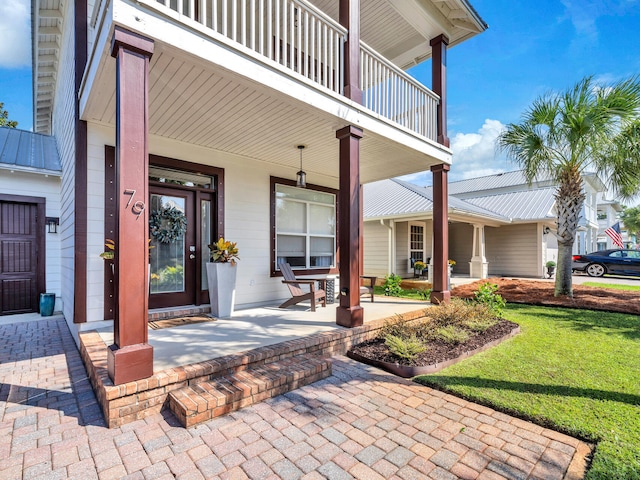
[615,286]
[575,371]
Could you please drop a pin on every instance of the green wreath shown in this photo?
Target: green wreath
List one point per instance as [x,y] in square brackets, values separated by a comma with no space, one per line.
[167,224]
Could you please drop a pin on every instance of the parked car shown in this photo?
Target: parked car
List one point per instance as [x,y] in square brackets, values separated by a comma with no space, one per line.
[614,262]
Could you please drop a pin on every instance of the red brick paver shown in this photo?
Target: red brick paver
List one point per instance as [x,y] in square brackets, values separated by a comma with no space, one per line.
[359,423]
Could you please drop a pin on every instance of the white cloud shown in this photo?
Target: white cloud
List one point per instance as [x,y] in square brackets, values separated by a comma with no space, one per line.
[475,155]
[15,32]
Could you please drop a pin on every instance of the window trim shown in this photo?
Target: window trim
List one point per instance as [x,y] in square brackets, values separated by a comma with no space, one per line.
[272,256]
[424,242]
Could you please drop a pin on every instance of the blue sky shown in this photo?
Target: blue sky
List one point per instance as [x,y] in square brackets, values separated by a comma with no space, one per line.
[530,48]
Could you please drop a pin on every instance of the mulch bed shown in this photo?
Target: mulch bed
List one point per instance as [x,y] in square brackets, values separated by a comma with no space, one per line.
[536,292]
[176,322]
[437,350]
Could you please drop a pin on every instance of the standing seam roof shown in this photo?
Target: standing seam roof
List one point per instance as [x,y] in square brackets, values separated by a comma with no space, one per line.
[28,150]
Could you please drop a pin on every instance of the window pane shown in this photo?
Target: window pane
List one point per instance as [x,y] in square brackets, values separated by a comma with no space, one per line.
[167,259]
[323,220]
[290,217]
[284,191]
[322,249]
[205,240]
[292,250]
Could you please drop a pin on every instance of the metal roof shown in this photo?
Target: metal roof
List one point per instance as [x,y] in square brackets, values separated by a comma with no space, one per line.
[28,151]
[393,197]
[523,205]
[507,180]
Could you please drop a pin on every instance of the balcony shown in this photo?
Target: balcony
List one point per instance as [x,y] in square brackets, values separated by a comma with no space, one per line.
[308,43]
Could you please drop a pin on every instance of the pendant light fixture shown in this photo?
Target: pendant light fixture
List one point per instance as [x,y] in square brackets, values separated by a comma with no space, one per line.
[301,176]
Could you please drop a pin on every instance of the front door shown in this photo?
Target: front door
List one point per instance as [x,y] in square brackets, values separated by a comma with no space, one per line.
[180,232]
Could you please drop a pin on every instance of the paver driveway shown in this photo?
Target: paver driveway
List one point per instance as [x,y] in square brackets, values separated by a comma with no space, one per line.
[359,423]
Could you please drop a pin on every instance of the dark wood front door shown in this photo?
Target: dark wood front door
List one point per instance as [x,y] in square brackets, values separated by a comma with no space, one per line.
[21,274]
[177,273]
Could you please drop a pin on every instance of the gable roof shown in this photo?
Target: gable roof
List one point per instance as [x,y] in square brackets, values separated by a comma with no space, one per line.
[520,206]
[393,198]
[507,180]
[28,151]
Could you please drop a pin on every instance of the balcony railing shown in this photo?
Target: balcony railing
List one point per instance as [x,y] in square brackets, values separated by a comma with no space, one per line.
[392,93]
[298,36]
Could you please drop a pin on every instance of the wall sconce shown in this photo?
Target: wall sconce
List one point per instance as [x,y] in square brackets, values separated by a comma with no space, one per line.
[301,176]
[546,230]
[52,224]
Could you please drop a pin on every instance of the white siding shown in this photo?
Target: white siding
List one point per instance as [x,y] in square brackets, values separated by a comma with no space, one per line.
[376,249]
[461,246]
[247,215]
[36,185]
[514,250]
[64,131]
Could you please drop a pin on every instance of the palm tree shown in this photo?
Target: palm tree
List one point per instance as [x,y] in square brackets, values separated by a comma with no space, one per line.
[590,127]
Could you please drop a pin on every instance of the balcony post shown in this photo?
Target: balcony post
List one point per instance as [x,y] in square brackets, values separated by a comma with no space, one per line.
[440,292]
[349,313]
[130,358]
[349,17]
[439,83]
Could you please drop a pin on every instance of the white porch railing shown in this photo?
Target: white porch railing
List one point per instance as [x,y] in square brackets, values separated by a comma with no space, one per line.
[302,38]
[392,93]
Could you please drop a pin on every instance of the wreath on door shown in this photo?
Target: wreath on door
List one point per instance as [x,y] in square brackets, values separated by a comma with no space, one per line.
[167,224]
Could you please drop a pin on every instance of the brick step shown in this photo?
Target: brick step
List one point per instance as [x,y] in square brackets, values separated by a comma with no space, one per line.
[209,399]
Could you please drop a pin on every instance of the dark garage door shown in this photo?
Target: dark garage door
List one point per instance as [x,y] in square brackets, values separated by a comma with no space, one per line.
[19,279]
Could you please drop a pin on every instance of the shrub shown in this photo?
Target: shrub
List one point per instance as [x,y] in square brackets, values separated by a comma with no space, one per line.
[479,324]
[452,334]
[487,295]
[424,293]
[406,348]
[392,286]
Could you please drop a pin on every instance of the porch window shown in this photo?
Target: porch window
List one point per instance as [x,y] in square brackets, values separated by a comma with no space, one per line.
[416,243]
[305,228]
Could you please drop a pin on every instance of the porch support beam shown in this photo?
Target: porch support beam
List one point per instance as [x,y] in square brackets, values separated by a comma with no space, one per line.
[349,313]
[130,358]
[478,266]
[440,292]
[349,18]
[439,83]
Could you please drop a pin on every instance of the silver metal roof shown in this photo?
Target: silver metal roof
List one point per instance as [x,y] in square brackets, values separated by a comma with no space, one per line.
[507,180]
[523,205]
[28,151]
[393,197]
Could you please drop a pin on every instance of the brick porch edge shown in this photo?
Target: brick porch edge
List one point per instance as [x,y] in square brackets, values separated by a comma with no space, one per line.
[136,400]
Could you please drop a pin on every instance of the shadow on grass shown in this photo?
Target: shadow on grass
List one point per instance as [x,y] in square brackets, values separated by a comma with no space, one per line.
[625,324]
[534,388]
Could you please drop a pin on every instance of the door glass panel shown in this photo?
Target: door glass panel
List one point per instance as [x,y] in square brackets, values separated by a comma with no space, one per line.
[167,255]
[205,241]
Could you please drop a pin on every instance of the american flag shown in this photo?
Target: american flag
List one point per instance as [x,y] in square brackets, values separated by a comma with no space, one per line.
[614,232]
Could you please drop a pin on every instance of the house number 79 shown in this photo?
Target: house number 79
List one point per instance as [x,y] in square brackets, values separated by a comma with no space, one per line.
[138,207]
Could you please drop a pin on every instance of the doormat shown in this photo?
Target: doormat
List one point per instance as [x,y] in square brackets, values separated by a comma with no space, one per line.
[178,321]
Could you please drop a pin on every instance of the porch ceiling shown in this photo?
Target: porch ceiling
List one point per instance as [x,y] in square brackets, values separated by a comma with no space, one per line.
[195,102]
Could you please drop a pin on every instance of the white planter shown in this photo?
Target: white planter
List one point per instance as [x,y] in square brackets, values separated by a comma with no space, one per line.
[222,288]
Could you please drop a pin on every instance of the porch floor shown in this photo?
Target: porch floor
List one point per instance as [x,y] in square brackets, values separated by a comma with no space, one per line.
[252,328]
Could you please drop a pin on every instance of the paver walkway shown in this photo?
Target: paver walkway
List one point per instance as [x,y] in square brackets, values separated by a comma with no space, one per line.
[360,423]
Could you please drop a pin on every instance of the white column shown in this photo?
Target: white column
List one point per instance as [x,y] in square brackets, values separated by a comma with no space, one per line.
[478,266]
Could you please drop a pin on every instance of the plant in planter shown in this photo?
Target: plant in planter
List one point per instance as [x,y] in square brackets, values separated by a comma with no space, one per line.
[221,275]
[551,267]
[418,267]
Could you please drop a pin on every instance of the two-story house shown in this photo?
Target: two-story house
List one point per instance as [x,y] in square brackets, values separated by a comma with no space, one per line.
[190,114]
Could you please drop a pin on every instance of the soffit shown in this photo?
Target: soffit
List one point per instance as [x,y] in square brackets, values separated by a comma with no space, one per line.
[197,103]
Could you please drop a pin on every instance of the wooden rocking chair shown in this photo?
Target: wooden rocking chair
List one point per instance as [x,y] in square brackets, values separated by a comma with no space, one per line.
[297,293]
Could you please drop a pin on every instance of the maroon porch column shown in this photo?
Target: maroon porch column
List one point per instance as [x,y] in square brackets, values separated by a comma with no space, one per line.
[349,313]
[439,83]
[131,357]
[349,17]
[440,292]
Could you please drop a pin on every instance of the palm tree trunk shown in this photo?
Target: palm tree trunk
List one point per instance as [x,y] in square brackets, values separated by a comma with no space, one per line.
[569,200]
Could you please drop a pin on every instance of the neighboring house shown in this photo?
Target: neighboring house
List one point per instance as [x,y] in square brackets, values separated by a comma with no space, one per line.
[498,225]
[29,215]
[609,214]
[194,110]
